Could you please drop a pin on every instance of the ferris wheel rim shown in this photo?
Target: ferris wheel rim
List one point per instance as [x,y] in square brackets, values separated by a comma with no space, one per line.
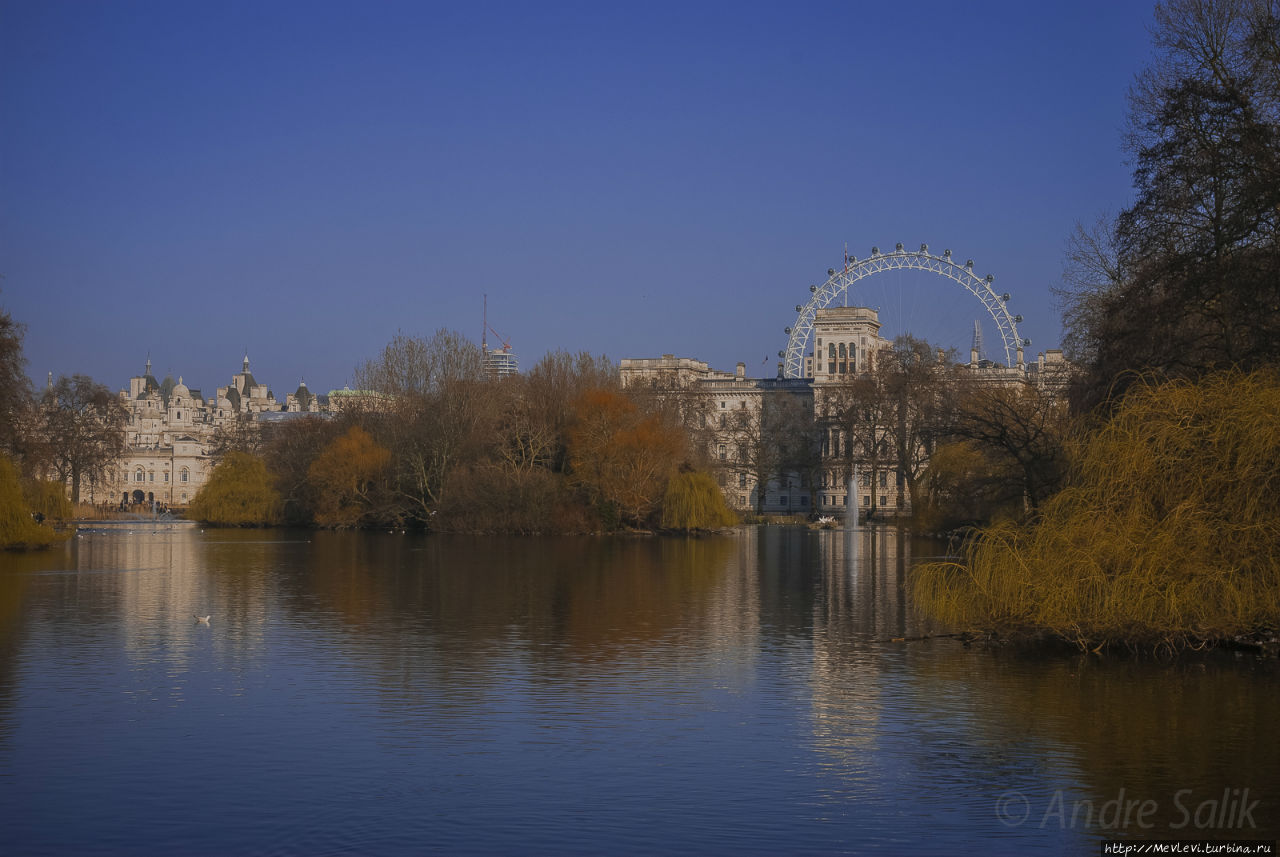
[839,282]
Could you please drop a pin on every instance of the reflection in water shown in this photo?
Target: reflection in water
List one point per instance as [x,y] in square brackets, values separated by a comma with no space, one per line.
[401,694]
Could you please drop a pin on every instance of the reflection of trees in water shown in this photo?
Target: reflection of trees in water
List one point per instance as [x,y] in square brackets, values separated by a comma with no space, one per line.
[452,624]
[972,723]
[1151,728]
[14,585]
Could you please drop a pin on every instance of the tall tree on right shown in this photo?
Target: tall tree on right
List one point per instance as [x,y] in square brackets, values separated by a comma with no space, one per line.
[15,390]
[1188,281]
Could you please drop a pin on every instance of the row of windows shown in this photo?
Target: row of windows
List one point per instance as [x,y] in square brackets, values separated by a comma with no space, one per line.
[842,500]
[140,475]
[864,479]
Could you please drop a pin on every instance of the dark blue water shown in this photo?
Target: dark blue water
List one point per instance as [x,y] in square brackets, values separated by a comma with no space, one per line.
[392,694]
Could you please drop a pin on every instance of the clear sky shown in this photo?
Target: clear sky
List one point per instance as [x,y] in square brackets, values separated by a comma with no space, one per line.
[304,179]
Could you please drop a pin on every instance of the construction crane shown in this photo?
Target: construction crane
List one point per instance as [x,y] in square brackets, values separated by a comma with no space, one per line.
[484,335]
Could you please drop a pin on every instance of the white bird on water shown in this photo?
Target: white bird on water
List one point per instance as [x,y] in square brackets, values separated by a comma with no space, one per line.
[202,620]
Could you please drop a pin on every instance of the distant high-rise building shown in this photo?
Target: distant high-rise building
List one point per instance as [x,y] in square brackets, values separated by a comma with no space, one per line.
[500,362]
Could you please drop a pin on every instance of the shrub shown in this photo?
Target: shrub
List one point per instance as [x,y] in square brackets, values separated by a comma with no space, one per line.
[49,498]
[18,530]
[693,502]
[239,493]
[1167,535]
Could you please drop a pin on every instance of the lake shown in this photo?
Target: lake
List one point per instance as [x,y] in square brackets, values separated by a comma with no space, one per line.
[384,693]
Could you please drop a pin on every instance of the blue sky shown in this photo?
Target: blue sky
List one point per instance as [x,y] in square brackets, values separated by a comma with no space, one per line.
[304,180]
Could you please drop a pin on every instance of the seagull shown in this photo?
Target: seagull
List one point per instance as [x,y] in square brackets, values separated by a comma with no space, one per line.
[203,620]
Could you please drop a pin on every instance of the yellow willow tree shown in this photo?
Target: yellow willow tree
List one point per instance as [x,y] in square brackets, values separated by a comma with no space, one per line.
[622,457]
[240,493]
[347,477]
[1165,536]
[693,502]
[18,530]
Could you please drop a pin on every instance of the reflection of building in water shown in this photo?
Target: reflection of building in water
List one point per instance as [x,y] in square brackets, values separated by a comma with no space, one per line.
[158,581]
[861,608]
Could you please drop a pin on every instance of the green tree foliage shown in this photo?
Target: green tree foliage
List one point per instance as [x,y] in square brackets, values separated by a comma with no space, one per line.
[240,493]
[1186,282]
[693,502]
[347,479]
[1167,535]
[78,432]
[47,498]
[18,530]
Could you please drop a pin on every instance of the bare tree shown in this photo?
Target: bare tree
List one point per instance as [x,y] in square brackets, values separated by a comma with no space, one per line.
[78,431]
[432,408]
[1021,428]
[15,389]
[1186,281]
[770,441]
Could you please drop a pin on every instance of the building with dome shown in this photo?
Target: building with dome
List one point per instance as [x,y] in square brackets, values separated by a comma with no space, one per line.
[172,431]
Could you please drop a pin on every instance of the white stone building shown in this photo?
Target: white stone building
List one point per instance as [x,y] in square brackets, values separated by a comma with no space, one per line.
[171,431]
[846,342]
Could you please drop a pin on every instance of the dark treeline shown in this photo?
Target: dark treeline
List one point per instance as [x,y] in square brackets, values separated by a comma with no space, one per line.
[431,441]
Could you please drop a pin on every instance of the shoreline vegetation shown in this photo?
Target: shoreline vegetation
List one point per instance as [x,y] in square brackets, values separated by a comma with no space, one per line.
[1166,536]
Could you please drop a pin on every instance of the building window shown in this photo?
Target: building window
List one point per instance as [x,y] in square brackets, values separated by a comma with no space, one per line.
[137,475]
[884,479]
[166,476]
[804,501]
[724,404]
[866,499]
[722,480]
[185,475]
[151,476]
[742,480]
[722,452]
